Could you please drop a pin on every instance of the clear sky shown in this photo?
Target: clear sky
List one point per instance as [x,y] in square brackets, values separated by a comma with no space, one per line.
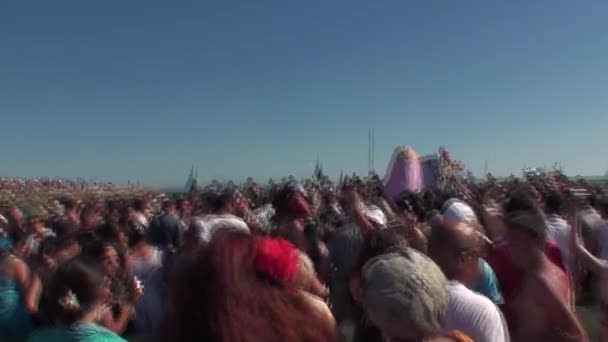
[126,90]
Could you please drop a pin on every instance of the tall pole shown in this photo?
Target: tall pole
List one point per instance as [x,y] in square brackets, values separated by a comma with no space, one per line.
[373,150]
[369,150]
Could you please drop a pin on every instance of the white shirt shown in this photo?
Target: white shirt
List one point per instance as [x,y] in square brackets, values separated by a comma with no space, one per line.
[558,230]
[209,224]
[474,315]
[141,220]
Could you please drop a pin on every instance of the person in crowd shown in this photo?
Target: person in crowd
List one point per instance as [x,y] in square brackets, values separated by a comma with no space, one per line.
[558,229]
[90,219]
[378,243]
[112,212]
[594,226]
[509,274]
[224,207]
[147,264]
[19,292]
[404,295]
[544,294]
[456,249]
[38,232]
[166,229]
[597,266]
[124,292]
[80,301]
[70,221]
[307,278]
[243,289]
[345,246]
[113,233]
[293,213]
[140,214]
[184,212]
[456,211]
[127,221]
[52,254]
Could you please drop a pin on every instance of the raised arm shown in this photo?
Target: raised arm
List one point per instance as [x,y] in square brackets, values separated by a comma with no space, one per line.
[594,264]
[29,284]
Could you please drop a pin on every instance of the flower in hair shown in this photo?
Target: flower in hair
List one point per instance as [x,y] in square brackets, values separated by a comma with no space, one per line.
[69,301]
[277,259]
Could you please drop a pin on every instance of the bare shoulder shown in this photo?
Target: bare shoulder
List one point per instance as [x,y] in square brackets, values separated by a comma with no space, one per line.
[14,267]
[319,307]
[549,289]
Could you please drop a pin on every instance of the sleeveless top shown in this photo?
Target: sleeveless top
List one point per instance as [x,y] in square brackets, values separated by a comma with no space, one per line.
[14,318]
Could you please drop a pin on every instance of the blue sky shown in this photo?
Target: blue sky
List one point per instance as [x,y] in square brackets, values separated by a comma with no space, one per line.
[126,90]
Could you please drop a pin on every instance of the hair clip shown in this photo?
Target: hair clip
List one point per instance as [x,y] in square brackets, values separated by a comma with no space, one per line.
[69,301]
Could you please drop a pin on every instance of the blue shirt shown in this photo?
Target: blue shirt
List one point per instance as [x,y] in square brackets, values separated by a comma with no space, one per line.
[487,284]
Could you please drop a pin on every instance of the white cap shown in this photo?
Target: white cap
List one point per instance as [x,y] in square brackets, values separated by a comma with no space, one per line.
[459,211]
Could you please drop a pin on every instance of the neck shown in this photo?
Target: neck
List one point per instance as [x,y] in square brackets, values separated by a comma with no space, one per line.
[460,279]
[92,316]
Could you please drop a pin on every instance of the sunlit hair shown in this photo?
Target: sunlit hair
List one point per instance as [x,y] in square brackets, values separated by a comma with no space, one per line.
[219,296]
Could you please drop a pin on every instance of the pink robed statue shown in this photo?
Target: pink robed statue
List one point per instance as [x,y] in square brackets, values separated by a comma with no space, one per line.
[404,173]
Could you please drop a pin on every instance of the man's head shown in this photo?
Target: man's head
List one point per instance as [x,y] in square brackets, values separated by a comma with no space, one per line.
[526,228]
[404,294]
[554,203]
[223,201]
[70,204]
[15,215]
[169,207]
[140,205]
[456,248]
[35,224]
[90,217]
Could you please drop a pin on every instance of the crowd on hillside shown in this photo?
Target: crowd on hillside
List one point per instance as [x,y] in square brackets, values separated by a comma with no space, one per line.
[309,261]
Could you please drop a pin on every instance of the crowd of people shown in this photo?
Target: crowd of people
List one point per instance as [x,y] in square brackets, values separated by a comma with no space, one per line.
[309,261]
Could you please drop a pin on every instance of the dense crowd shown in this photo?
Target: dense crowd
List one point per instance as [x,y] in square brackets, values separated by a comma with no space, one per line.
[306,261]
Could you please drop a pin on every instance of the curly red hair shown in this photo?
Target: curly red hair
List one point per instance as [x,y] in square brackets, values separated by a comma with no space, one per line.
[218,295]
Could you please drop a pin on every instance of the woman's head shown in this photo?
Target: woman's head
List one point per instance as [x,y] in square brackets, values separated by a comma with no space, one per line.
[105,255]
[77,288]
[378,243]
[112,232]
[90,217]
[239,286]
[19,242]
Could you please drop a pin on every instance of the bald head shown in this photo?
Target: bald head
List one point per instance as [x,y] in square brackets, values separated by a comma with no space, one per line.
[454,237]
[455,248]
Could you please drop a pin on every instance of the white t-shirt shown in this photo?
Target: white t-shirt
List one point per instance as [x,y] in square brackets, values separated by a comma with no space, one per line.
[474,315]
[558,230]
[209,224]
[142,220]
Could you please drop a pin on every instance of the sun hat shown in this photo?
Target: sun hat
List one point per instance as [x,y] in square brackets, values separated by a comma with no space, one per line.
[404,287]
